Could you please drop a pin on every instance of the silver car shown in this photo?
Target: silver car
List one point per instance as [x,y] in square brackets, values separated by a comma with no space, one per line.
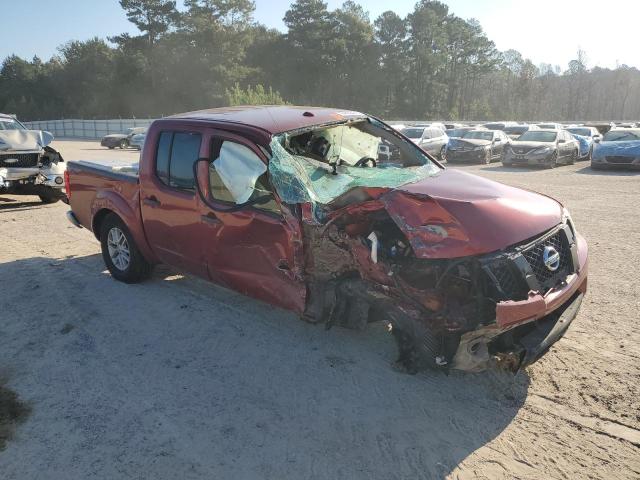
[432,139]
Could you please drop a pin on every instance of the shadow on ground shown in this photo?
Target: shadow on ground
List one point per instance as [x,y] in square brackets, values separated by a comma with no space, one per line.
[178,378]
[12,413]
[27,202]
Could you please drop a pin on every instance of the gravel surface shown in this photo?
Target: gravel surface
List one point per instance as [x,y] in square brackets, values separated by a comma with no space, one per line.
[178,378]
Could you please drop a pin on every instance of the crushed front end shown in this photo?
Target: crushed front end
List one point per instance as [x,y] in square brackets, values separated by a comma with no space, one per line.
[467,273]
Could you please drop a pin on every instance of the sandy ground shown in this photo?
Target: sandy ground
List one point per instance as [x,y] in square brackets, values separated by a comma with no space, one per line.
[177,378]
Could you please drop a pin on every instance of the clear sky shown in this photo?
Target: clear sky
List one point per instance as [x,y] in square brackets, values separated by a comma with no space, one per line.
[547,31]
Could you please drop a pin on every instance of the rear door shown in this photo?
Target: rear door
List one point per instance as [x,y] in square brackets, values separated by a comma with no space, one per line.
[256,249]
[169,204]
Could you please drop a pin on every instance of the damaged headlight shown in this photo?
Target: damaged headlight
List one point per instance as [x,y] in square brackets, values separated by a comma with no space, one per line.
[567,220]
[543,150]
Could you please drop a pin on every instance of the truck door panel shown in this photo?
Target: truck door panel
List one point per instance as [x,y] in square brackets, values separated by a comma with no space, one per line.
[169,203]
[251,250]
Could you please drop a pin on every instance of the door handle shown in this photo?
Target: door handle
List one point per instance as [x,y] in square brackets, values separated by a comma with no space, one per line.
[210,219]
[151,202]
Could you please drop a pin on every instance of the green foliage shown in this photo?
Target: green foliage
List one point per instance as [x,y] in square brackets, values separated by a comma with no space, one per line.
[429,65]
[253,96]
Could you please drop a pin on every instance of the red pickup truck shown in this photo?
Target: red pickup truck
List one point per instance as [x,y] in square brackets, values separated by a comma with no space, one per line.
[338,217]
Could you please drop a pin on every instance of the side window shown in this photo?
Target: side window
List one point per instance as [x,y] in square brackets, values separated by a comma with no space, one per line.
[176,154]
[426,134]
[237,175]
[162,156]
[184,152]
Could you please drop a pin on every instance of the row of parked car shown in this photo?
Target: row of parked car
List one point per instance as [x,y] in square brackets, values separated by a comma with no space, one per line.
[130,138]
[544,144]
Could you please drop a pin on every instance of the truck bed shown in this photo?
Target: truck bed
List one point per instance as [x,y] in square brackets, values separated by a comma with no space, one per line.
[95,186]
[124,172]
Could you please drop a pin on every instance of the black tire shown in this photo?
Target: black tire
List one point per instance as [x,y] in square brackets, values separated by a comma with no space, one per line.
[573,157]
[418,347]
[47,198]
[487,158]
[123,144]
[553,163]
[443,153]
[137,269]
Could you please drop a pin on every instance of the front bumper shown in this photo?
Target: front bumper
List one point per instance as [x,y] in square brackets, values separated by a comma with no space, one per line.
[548,331]
[530,158]
[466,155]
[604,162]
[510,313]
[524,330]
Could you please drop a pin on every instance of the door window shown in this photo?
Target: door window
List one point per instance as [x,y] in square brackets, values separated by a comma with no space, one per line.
[237,175]
[177,152]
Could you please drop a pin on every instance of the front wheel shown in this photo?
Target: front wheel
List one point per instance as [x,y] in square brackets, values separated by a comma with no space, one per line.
[48,197]
[443,153]
[120,253]
[573,157]
[553,162]
[487,158]
[123,144]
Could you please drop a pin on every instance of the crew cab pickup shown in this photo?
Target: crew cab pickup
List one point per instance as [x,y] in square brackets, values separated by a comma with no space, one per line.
[299,207]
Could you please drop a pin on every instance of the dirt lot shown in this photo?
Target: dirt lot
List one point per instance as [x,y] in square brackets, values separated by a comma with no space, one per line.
[176,378]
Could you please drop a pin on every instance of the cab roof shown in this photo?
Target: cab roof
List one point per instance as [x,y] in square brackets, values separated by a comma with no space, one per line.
[273,119]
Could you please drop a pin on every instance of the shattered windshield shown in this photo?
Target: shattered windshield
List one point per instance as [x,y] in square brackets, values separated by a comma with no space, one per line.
[10,124]
[621,135]
[321,164]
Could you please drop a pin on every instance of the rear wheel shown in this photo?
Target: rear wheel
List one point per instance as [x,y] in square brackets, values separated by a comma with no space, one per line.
[120,253]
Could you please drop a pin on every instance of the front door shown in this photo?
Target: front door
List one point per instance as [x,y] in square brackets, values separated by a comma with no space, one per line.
[169,204]
[254,249]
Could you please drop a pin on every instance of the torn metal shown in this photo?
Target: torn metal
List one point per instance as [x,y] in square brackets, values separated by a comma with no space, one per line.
[457,273]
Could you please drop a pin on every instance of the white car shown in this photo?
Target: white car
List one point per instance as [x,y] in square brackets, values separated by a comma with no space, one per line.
[28,165]
[432,139]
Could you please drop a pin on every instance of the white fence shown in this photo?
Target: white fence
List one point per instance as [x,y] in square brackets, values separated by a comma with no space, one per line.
[91,129]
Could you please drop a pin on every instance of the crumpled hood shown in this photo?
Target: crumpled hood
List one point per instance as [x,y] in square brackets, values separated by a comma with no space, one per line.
[16,140]
[456,214]
[622,149]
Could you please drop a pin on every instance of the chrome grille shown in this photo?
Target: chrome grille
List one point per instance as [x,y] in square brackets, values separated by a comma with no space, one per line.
[533,255]
[19,160]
